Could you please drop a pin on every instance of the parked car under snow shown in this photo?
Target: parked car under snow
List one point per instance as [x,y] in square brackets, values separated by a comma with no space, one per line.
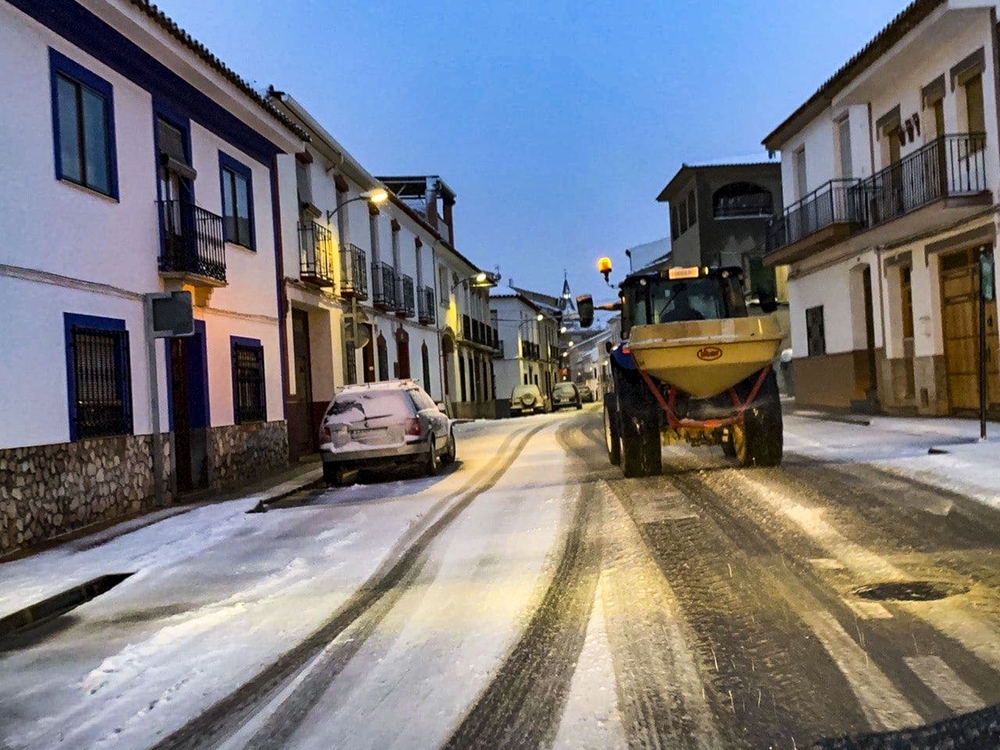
[382,425]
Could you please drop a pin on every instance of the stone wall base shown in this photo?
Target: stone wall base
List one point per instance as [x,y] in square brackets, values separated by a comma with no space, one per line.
[243,453]
[47,490]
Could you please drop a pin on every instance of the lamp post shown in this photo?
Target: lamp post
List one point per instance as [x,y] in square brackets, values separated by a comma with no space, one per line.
[376,196]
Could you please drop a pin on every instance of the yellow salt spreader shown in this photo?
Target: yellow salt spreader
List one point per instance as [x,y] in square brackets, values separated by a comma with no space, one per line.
[692,366]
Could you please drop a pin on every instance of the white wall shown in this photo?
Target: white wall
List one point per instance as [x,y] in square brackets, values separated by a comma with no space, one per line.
[55,227]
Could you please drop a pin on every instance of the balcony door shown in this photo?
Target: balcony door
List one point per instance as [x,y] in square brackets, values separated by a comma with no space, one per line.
[175,188]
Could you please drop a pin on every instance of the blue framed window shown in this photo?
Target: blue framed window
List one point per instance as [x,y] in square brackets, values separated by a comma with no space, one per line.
[237,202]
[249,387]
[83,125]
[98,377]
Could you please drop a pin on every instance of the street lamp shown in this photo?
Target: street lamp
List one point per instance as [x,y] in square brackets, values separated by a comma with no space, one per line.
[375,196]
[481,280]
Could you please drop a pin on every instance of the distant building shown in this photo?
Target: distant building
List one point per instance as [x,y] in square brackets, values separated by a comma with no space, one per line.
[528,327]
[719,215]
[891,176]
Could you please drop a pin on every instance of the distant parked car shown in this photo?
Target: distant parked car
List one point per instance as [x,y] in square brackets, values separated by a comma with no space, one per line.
[586,394]
[526,399]
[566,394]
[379,425]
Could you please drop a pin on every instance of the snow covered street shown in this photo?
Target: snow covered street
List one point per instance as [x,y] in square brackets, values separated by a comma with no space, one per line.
[531,597]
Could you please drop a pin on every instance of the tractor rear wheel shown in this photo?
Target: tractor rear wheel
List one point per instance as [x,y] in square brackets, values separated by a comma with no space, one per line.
[762,442]
[611,436]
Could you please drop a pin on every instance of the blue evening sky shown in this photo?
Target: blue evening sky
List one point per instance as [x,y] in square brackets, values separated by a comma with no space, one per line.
[557,123]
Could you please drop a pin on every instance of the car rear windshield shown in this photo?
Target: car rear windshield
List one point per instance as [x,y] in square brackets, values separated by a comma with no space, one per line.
[357,406]
[565,388]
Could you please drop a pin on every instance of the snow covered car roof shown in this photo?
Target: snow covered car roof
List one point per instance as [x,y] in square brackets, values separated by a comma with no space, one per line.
[385,385]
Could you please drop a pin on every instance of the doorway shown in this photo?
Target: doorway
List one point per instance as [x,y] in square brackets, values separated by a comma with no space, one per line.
[960,324]
[872,386]
[403,353]
[189,415]
[301,429]
[368,353]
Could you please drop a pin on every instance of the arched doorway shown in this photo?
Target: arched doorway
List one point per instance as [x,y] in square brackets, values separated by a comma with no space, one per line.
[383,358]
[368,353]
[447,357]
[403,353]
[425,366]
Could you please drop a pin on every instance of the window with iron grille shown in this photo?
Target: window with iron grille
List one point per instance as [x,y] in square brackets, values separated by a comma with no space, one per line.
[815,332]
[249,388]
[99,379]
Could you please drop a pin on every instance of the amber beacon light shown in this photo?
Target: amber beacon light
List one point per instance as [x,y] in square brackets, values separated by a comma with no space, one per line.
[604,266]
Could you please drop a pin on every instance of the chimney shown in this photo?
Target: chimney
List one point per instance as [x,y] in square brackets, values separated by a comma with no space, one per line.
[431,203]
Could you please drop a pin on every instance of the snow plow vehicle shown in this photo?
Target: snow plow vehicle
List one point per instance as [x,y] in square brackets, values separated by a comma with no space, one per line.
[693,367]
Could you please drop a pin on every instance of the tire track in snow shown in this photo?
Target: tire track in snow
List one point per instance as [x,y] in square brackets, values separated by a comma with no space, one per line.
[225,717]
[661,694]
[523,704]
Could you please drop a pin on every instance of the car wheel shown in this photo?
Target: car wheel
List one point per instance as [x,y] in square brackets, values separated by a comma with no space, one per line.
[333,474]
[450,451]
[433,463]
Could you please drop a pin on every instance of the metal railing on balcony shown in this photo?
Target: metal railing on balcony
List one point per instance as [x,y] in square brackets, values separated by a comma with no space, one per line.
[192,240]
[316,254]
[952,165]
[834,202]
[383,286]
[354,272]
[425,305]
[746,206]
[405,297]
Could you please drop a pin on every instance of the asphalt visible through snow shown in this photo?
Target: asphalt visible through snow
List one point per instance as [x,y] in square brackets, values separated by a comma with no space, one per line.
[539,599]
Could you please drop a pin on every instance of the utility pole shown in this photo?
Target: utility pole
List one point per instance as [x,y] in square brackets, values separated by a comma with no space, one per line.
[986,294]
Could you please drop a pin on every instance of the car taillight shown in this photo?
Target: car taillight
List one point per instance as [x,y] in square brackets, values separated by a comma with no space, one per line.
[413,426]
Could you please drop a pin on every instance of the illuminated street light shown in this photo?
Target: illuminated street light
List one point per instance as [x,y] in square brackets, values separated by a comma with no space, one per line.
[374,196]
[539,317]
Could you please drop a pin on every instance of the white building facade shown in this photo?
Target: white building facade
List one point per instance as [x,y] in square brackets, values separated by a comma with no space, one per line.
[359,288]
[135,163]
[890,173]
[529,344]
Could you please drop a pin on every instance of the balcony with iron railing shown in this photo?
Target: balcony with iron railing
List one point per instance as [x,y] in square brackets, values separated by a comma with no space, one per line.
[817,221]
[949,167]
[405,297]
[425,305]
[941,182]
[354,272]
[193,246]
[383,286]
[316,254]
[497,344]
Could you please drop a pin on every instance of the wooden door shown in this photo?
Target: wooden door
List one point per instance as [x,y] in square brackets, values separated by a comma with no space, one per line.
[301,429]
[960,323]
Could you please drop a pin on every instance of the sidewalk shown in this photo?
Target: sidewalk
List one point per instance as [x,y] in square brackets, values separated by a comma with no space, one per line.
[51,574]
[941,451]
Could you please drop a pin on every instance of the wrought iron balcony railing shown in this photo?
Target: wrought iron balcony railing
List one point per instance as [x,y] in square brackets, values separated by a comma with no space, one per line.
[834,202]
[952,165]
[425,305]
[354,272]
[192,241]
[405,297]
[949,166]
[316,254]
[383,286]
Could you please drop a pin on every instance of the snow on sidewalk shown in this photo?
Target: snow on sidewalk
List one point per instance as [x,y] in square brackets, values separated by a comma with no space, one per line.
[942,452]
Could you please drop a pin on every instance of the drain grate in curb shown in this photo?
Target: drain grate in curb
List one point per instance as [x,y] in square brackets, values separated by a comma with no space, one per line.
[63,602]
[907,591]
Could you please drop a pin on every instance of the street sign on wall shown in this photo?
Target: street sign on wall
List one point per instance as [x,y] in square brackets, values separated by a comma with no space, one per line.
[172,314]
